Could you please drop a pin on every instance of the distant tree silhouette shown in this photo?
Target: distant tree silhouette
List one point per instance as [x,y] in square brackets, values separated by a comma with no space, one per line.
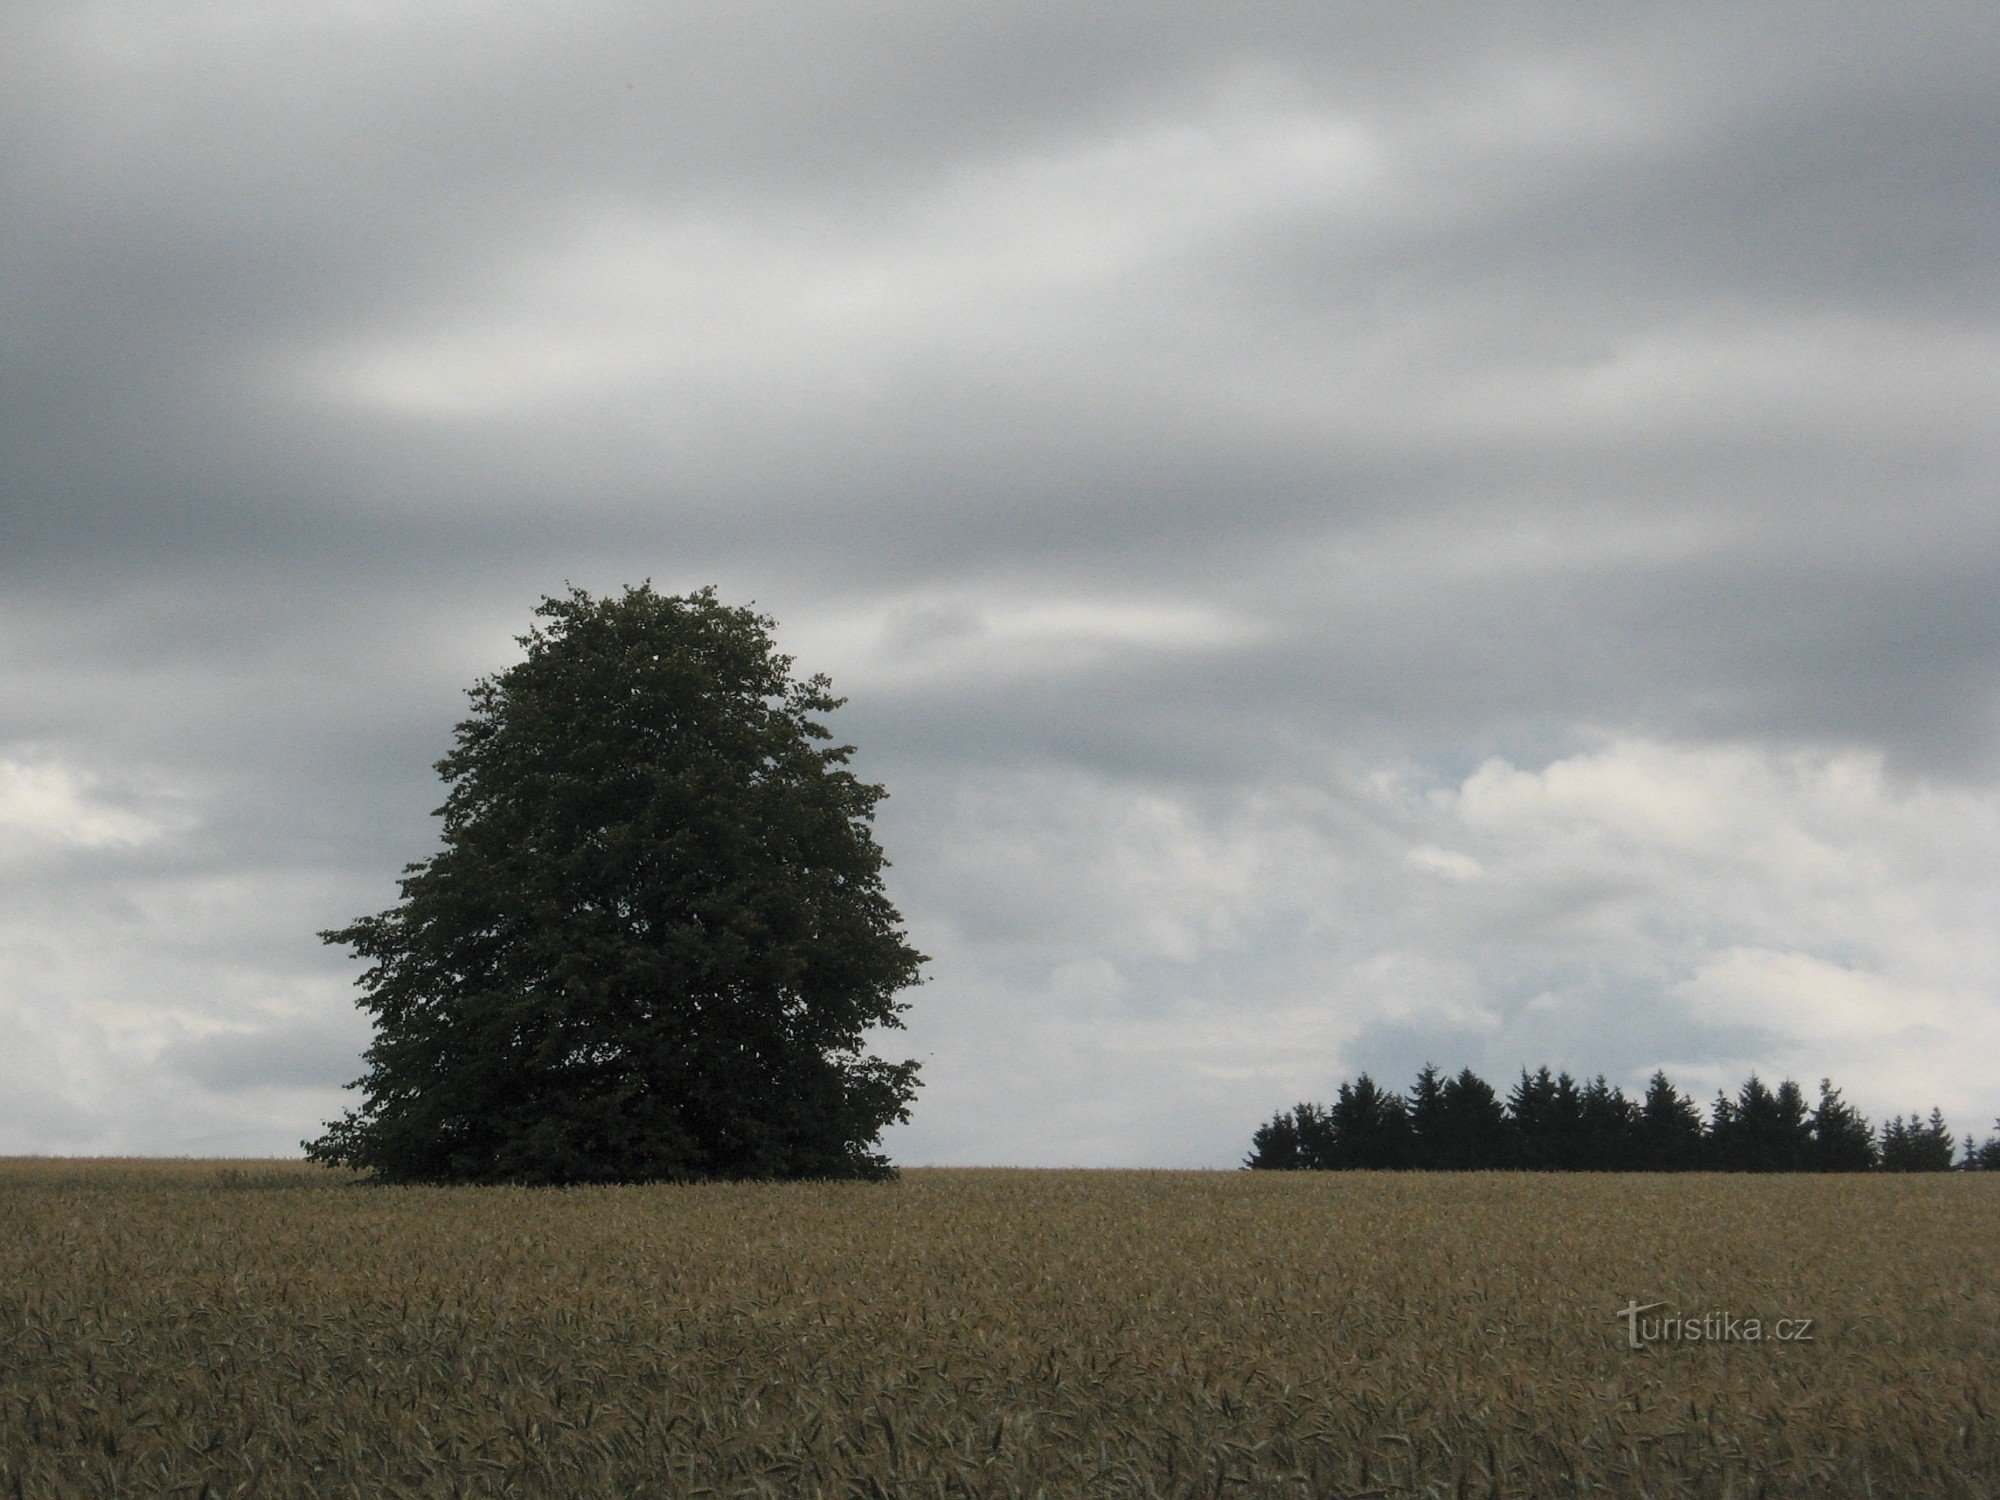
[1915,1145]
[1559,1126]
[1610,1129]
[1370,1127]
[1542,1119]
[1424,1109]
[1473,1134]
[1986,1157]
[1551,1123]
[1315,1127]
[1790,1137]
[1719,1136]
[1668,1131]
[1761,1131]
[1842,1140]
[1274,1145]
[1297,1139]
[1897,1154]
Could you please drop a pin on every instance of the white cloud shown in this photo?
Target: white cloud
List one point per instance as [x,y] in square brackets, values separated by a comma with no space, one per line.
[941,639]
[1809,999]
[45,804]
[151,1003]
[1452,864]
[1709,909]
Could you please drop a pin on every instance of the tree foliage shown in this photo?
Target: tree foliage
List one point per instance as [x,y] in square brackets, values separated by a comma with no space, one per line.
[655,934]
[1669,1129]
[1841,1141]
[1761,1130]
[1368,1127]
[1552,1123]
[1983,1156]
[1915,1145]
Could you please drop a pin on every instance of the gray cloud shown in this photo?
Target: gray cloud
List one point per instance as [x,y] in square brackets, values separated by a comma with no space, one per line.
[1167,418]
[313,1053]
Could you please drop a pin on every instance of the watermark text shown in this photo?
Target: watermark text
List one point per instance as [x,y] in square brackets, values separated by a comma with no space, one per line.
[1648,1323]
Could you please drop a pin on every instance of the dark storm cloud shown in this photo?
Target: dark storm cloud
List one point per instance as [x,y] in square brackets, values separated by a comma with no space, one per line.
[1192,412]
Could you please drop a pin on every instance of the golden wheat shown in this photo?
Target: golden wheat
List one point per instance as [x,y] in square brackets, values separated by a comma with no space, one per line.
[272,1329]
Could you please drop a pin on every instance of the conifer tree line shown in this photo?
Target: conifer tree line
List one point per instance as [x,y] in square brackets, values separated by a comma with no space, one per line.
[1553,1123]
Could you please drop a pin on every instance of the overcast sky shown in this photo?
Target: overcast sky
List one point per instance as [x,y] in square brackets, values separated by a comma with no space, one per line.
[1352,534]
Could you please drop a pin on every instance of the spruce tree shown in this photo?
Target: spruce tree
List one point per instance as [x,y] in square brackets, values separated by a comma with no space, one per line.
[1370,1127]
[1669,1129]
[1473,1134]
[1531,1114]
[1917,1145]
[1550,1122]
[1894,1152]
[1718,1137]
[1274,1145]
[1298,1139]
[1937,1142]
[1763,1131]
[1842,1140]
[1425,1112]
[1609,1129]
[1566,1123]
[1316,1137]
[1985,1157]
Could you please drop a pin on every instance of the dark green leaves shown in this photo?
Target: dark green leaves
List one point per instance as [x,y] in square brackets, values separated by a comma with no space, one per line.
[655,934]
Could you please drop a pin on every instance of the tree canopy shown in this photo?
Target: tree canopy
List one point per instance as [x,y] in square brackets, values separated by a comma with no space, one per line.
[655,936]
[1554,1123]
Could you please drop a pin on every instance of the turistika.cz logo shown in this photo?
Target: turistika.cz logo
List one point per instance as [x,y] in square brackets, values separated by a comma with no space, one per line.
[1708,1328]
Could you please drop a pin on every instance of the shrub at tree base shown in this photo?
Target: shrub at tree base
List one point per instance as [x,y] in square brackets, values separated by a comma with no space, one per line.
[655,935]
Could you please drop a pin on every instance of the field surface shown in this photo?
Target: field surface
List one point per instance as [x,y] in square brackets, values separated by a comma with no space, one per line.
[272,1329]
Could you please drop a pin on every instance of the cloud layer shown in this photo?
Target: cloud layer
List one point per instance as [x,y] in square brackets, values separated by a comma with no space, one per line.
[1351,536]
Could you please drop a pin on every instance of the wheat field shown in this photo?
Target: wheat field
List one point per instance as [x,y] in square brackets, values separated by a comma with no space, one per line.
[267,1328]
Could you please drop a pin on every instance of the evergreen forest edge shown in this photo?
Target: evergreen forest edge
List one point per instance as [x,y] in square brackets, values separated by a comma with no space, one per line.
[1553,1123]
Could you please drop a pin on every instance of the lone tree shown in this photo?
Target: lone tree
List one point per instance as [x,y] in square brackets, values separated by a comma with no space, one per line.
[655,935]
